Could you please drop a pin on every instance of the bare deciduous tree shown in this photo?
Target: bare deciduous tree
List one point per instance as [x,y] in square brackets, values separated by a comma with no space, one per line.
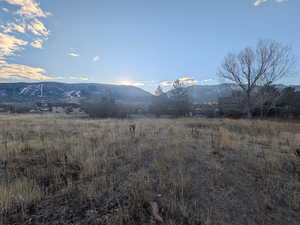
[267,63]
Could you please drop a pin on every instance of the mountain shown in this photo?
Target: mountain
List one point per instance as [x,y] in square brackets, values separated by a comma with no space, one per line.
[65,92]
[208,93]
[211,93]
[297,87]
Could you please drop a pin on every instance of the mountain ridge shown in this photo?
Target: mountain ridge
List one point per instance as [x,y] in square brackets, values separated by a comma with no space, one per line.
[68,92]
[211,93]
[73,92]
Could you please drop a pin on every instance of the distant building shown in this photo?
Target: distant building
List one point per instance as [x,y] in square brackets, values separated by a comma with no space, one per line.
[66,108]
[58,108]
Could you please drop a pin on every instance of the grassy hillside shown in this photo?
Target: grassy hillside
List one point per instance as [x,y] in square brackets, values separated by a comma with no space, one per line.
[64,170]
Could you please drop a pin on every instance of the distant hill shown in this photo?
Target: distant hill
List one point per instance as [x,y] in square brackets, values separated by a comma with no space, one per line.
[208,93]
[64,92]
[297,87]
[211,93]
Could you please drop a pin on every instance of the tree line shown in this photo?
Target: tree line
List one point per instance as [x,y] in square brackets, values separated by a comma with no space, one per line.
[269,101]
[175,103]
[254,70]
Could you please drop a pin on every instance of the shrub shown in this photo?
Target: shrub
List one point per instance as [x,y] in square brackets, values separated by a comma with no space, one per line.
[104,108]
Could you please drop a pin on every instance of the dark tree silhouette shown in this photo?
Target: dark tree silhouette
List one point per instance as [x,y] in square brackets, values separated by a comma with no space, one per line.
[267,63]
[180,99]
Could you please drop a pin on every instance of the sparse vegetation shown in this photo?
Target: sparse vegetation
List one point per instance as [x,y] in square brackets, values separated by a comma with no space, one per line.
[271,102]
[66,170]
[104,108]
[176,104]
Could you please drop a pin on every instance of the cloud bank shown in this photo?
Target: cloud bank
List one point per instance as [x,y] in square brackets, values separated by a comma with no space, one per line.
[28,8]
[26,18]
[21,71]
[9,45]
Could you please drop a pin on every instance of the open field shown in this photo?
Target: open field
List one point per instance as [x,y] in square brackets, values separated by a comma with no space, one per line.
[64,170]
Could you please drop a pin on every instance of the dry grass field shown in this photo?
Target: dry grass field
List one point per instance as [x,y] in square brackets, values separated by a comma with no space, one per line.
[66,170]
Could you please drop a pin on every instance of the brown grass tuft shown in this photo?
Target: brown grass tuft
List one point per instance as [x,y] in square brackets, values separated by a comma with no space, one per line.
[67,170]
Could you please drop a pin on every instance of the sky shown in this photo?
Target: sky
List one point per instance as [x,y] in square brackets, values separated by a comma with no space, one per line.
[144,43]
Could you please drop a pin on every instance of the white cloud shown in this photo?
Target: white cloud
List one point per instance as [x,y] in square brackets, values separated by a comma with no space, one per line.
[127,83]
[37,43]
[207,80]
[10,27]
[73,54]
[130,83]
[29,11]
[10,44]
[76,78]
[28,8]
[188,80]
[38,28]
[259,2]
[167,83]
[96,58]
[185,80]
[21,71]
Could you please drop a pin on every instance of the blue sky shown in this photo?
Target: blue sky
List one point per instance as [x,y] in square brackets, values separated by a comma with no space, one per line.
[138,42]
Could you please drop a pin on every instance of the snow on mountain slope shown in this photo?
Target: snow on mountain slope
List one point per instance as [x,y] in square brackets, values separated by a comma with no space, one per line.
[11,92]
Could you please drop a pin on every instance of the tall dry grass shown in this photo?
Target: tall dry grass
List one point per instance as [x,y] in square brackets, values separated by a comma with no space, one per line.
[60,169]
